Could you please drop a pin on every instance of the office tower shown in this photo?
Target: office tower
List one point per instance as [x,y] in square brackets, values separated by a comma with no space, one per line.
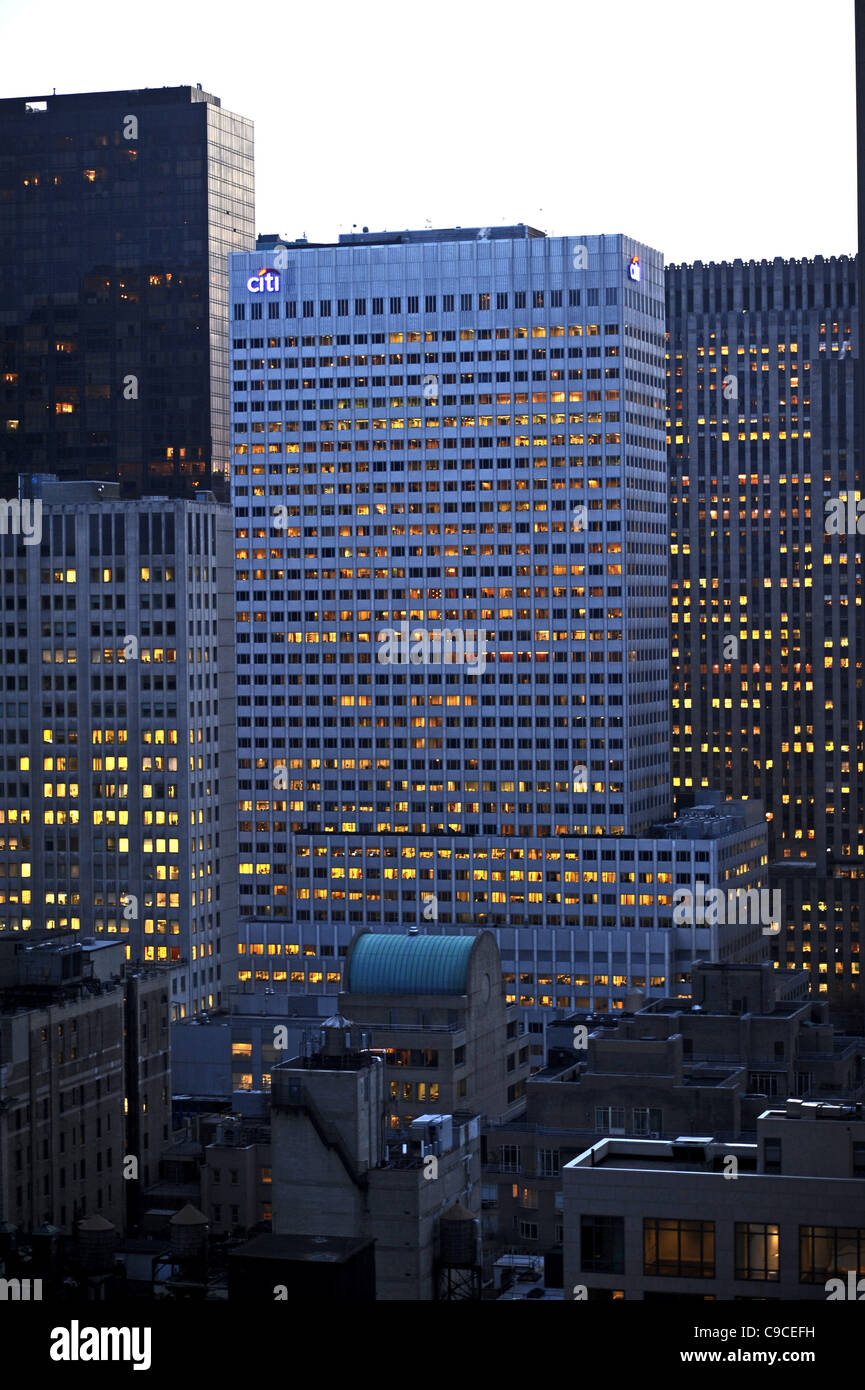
[860,189]
[452,589]
[116,805]
[766,581]
[117,213]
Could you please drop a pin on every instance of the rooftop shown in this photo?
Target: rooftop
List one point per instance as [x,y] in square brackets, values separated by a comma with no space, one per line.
[382,963]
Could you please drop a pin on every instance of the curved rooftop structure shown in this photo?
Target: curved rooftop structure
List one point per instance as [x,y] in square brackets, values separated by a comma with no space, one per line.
[381,963]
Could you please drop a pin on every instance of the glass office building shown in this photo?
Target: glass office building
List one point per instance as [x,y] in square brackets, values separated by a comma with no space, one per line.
[117,214]
[767,604]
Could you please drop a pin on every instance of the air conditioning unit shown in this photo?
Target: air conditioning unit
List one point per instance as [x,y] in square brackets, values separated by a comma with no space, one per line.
[435,1133]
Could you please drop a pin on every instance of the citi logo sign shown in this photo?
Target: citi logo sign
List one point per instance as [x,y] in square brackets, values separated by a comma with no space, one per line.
[265,280]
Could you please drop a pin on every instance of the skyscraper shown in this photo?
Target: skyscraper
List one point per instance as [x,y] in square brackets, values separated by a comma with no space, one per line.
[452,585]
[767,580]
[117,791]
[117,213]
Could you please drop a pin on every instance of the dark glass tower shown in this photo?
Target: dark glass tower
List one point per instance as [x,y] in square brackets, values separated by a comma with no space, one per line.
[117,213]
[763,364]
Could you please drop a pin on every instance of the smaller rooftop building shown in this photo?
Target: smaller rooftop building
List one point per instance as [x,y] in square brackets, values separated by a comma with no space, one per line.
[435,1005]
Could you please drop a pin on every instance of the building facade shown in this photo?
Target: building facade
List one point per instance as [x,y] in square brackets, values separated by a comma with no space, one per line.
[338,1171]
[452,590]
[436,1012]
[766,577]
[778,1219]
[116,803]
[117,214]
[747,1036]
[77,1101]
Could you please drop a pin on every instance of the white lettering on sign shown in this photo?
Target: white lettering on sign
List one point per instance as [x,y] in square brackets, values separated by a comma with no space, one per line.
[265,280]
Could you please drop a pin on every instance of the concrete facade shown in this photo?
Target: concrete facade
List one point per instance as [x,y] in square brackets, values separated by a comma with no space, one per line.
[446,1052]
[84,1081]
[119,821]
[778,1219]
[674,1067]
[337,1171]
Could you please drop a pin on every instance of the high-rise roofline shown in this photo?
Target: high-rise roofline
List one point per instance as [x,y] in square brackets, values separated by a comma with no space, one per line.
[151,96]
[685,266]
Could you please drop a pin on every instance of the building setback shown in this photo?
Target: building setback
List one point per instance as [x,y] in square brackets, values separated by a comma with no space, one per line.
[117,214]
[450,493]
[767,614]
[116,804]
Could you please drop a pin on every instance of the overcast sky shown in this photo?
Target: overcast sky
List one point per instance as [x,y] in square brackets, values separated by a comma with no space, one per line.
[709,129]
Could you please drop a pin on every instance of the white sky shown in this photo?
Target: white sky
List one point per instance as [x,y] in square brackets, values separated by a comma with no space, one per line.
[709,129]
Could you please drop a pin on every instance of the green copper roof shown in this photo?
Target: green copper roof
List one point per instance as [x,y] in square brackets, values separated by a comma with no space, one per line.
[388,964]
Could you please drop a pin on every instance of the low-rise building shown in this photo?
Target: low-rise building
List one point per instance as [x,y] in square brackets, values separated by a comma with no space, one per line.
[84,1080]
[709,1064]
[780,1218]
[435,1009]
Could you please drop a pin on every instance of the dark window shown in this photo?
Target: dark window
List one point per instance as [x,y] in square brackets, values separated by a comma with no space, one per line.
[602,1244]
